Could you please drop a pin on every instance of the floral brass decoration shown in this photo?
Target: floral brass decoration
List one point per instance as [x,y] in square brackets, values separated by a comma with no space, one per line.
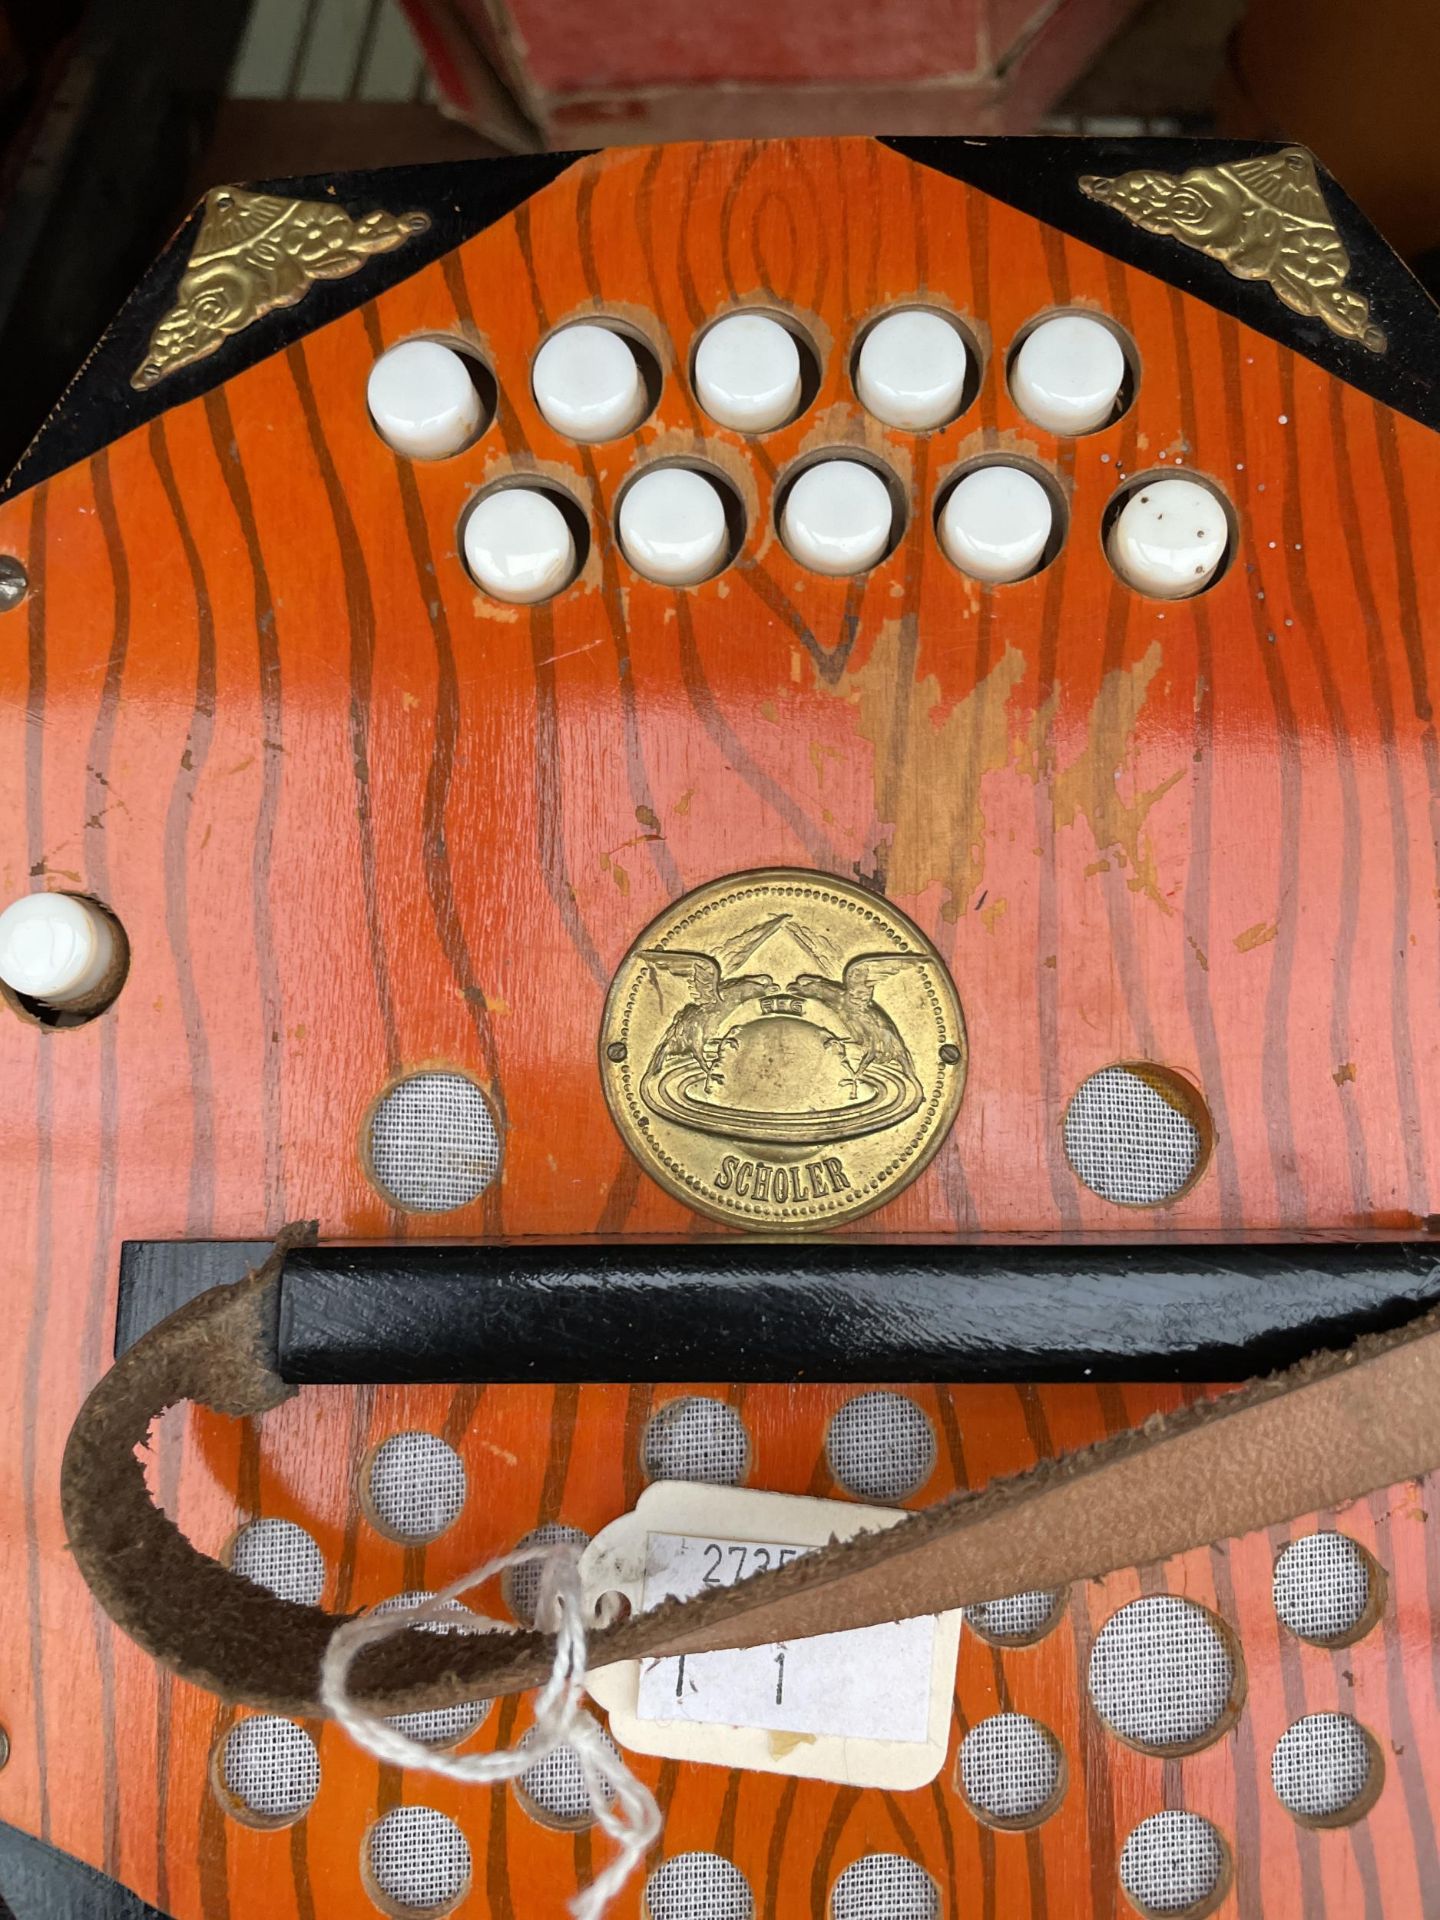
[256,252]
[1264,219]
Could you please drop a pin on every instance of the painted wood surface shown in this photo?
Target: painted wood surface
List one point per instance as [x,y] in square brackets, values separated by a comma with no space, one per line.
[357,821]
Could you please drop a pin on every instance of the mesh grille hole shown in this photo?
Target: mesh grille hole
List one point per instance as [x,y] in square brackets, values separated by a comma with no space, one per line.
[880,1446]
[432,1143]
[1015,1619]
[1131,1135]
[1161,1674]
[436,1726]
[521,1585]
[1172,1863]
[697,1439]
[1322,1587]
[698,1886]
[270,1769]
[419,1860]
[1010,1769]
[1321,1768]
[554,1788]
[278,1555]
[884,1886]
[416,1486]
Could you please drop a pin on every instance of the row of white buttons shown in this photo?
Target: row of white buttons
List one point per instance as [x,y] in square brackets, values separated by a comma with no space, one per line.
[910,373]
[838,518]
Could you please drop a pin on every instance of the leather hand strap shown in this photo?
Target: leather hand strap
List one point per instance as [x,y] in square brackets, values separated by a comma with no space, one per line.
[1335,1427]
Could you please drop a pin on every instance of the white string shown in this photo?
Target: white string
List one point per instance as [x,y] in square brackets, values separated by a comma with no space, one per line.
[624,1807]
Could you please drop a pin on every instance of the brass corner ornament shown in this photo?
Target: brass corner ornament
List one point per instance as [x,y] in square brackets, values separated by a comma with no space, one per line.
[783,1050]
[256,252]
[1264,219]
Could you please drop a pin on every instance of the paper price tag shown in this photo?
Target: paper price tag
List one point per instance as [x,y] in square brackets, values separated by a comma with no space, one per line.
[869,1707]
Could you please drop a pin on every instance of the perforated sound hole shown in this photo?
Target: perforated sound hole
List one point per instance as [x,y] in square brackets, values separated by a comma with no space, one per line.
[880,1446]
[521,1585]
[1321,1767]
[1131,1134]
[1010,1769]
[1161,1674]
[278,1555]
[697,1439]
[270,1768]
[416,1486]
[884,1886]
[555,1789]
[698,1886]
[1015,1619]
[1172,1863]
[437,1726]
[419,1860]
[1322,1587]
[432,1143]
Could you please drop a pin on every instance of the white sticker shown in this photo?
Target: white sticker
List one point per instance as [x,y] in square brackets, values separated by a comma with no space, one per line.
[869,1684]
[869,1707]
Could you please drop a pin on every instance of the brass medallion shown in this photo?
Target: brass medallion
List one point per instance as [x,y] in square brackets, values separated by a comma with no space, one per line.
[783,1050]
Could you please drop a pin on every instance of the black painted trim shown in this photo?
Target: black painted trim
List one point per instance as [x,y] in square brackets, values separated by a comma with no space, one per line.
[729,1310]
[38,1882]
[1041,177]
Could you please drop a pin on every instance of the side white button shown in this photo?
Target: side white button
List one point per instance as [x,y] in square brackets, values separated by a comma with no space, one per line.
[996,522]
[911,370]
[55,948]
[837,517]
[747,373]
[1068,374]
[423,400]
[518,545]
[587,383]
[1169,538]
[672,526]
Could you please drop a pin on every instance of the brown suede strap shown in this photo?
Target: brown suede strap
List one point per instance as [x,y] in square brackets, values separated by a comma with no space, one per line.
[1335,1427]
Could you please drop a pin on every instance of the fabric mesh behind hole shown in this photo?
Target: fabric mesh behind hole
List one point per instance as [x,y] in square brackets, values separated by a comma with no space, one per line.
[1019,1616]
[1009,1765]
[698,1886]
[1322,1586]
[1170,1862]
[271,1766]
[697,1439]
[1127,1142]
[419,1858]
[1160,1673]
[1320,1765]
[884,1886]
[417,1485]
[433,1144]
[556,1785]
[521,1585]
[880,1446]
[436,1726]
[278,1555]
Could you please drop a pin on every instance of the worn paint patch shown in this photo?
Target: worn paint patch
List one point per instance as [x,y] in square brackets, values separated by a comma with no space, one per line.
[1343,1073]
[1259,935]
[938,832]
[1090,785]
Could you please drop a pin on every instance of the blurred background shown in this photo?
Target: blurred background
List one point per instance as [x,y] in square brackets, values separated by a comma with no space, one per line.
[116,115]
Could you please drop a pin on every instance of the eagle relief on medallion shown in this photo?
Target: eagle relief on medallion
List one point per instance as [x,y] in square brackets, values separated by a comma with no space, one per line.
[783,1049]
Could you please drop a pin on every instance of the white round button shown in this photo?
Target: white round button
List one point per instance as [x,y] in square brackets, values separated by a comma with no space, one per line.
[1068,374]
[911,370]
[838,516]
[518,545]
[55,948]
[1169,538]
[587,383]
[423,400]
[672,526]
[747,373]
[996,522]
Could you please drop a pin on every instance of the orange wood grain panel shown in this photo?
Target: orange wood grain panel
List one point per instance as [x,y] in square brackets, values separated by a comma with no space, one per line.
[356,820]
